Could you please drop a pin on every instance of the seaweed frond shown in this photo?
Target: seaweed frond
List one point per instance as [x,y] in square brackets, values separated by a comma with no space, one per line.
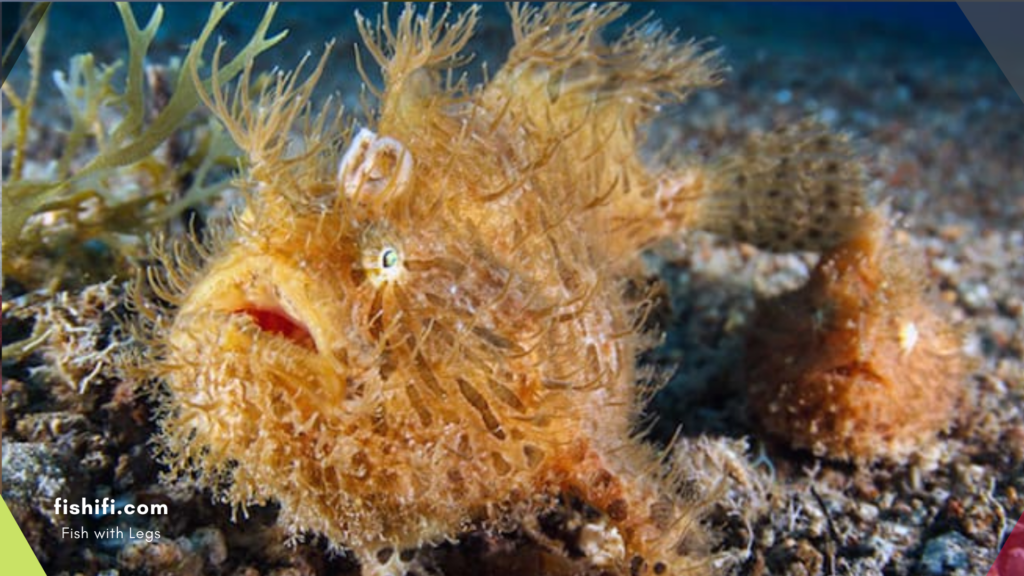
[87,89]
[23,106]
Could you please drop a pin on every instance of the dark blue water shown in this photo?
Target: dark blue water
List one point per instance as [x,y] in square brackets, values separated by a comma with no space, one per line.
[897,36]
[941,21]
[940,26]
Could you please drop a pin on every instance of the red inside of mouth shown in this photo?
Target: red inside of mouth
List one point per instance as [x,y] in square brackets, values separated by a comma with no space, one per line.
[278,323]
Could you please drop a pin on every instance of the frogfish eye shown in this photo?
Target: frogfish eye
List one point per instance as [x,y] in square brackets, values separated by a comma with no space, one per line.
[388,258]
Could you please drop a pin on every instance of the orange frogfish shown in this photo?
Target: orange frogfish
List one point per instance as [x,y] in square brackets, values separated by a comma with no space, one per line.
[423,325]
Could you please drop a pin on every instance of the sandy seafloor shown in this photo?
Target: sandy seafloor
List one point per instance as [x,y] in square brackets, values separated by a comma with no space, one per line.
[943,137]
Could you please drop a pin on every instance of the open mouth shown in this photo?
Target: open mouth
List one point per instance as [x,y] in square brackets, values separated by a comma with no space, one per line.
[278,323]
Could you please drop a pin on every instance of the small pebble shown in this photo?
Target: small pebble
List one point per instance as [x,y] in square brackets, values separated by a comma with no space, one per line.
[976,295]
[944,554]
[946,266]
